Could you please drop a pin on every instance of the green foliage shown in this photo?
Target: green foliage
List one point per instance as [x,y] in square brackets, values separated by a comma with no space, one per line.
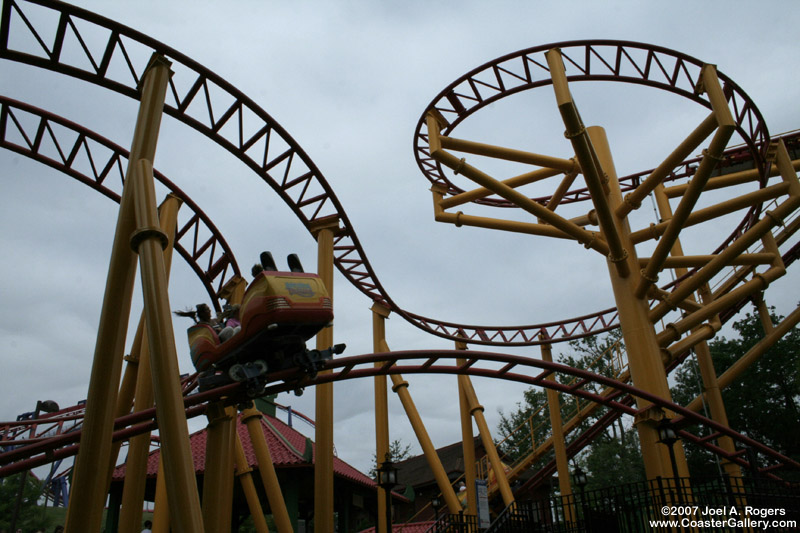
[530,419]
[397,451]
[248,524]
[31,517]
[763,402]
[613,457]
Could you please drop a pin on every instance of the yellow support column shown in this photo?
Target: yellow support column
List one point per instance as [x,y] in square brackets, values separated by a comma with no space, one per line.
[130,516]
[89,488]
[149,241]
[400,387]
[704,361]
[467,442]
[644,361]
[379,316]
[161,512]
[139,446]
[488,444]
[559,445]
[323,456]
[244,473]
[252,418]
[127,388]
[217,485]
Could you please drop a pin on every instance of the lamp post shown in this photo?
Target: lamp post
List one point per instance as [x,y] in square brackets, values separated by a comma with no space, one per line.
[387,478]
[436,503]
[668,437]
[580,479]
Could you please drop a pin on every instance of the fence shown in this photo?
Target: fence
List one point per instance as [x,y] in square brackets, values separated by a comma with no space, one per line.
[719,504]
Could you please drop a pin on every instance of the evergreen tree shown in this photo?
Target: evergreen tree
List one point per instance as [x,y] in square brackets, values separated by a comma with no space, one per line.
[397,450]
[613,457]
[762,403]
[30,517]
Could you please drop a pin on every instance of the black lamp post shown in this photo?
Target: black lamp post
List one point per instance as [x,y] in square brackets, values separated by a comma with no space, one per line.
[387,478]
[668,437]
[436,503]
[580,479]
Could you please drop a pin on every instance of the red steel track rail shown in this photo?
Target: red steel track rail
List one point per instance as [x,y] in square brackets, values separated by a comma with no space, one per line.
[491,365]
[100,164]
[211,105]
[595,60]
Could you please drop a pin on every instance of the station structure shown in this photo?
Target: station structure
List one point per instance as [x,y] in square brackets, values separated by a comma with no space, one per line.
[668,304]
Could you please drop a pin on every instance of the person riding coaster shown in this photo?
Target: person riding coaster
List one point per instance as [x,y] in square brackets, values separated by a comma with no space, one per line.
[279,312]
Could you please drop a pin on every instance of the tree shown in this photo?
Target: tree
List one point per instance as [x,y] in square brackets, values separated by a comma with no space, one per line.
[31,516]
[397,452]
[763,401]
[614,456]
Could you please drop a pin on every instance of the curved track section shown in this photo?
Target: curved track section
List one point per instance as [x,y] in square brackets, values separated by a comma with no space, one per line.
[114,56]
[100,164]
[478,364]
[586,60]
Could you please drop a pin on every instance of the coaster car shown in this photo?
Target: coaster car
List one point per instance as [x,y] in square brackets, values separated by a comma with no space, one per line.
[280,311]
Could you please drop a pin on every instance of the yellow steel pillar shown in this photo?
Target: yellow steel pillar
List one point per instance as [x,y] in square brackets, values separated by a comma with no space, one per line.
[486,438]
[217,481]
[138,450]
[127,387]
[644,360]
[713,396]
[252,418]
[559,445]
[323,456]
[148,240]
[400,387]
[467,442]
[139,446]
[89,488]
[168,219]
[379,315]
[161,509]
[704,361]
[244,473]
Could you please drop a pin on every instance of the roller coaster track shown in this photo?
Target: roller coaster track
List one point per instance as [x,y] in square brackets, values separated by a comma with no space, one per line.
[114,56]
[622,374]
[595,60]
[117,61]
[212,106]
[57,142]
[478,364]
[100,164]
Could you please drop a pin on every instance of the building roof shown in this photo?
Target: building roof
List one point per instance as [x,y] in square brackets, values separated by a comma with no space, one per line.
[287,448]
[416,472]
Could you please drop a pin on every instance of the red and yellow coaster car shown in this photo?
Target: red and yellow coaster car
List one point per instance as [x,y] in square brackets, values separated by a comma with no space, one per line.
[279,312]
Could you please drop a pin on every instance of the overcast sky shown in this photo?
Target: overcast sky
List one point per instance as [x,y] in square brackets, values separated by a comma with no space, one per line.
[349,81]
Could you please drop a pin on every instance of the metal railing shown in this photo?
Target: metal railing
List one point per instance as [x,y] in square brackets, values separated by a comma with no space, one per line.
[718,504]
[455,523]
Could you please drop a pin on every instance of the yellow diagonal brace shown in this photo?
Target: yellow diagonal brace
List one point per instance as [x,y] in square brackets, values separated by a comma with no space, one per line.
[576,232]
[590,166]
